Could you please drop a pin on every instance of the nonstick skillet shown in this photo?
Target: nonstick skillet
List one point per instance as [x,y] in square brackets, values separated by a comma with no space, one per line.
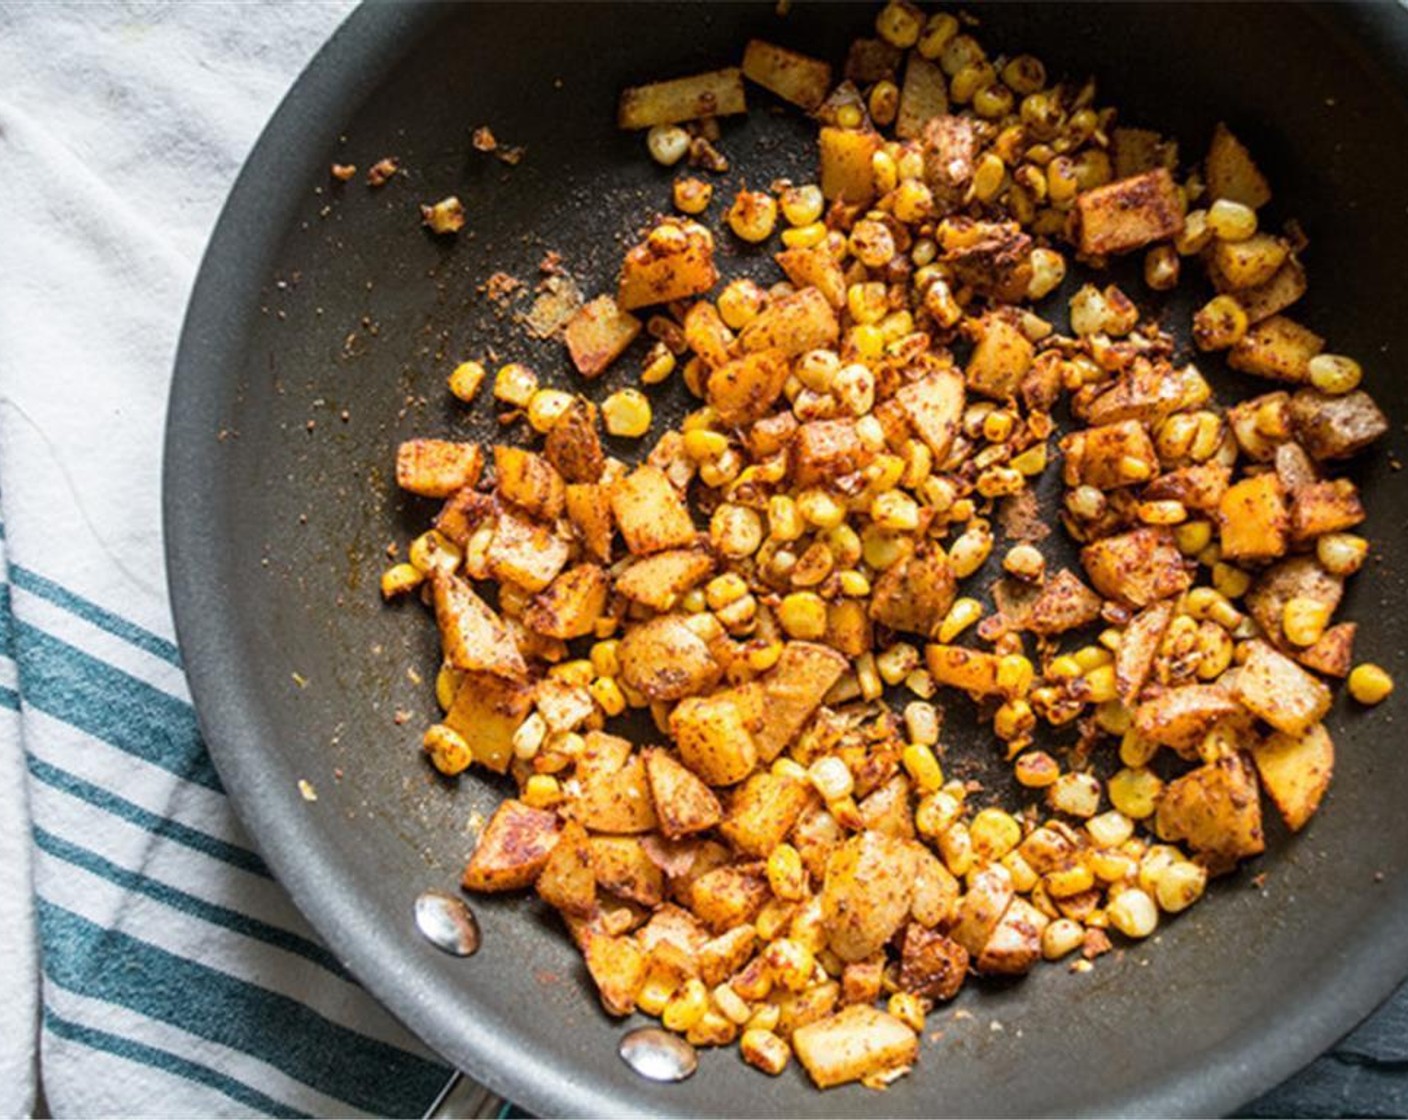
[319,334]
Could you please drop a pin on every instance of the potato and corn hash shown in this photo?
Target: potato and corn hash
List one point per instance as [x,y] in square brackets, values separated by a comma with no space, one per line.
[787,865]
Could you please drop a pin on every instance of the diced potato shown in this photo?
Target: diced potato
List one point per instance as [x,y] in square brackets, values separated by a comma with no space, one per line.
[1333,654]
[1324,507]
[993,258]
[793,77]
[528,480]
[1276,294]
[923,96]
[573,445]
[622,868]
[683,803]
[1064,603]
[846,170]
[950,146]
[474,637]
[857,1043]
[664,659]
[728,896]
[799,1009]
[1232,173]
[826,450]
[589,510]
[513,848]
[1181,717]
[763,811]
[1236,266]
[722,956]
[1295,771]
[1278,348]
[650,512]
[1276,689]
[867,893]
[888,809]
[1015,944]
[1146,391]
[971,670]
[659,580]
[1261,424]
[1331,427]
[848,628]
[717,93]
[1137,567]
[871,60]
[571,604]
[525,552]
[436,468]
[707,334]
[611,793]
[463,512]
[1129,213]
[794,324]
[815,268]
[1199,487]
[862,981]
[1300,577]
[598,334]
[617,966]
[1216,809]
[1253,519]
[672,928]
[1136,150]
[1109,456]
[665,268]
[935,890]
[713,738]
[568,882]
[1134,660]
[1294,467]
[487,711]
[934,407]
[792,692]
[745,389]
[982,907]
[931,965]
[915,594]
[1001,357]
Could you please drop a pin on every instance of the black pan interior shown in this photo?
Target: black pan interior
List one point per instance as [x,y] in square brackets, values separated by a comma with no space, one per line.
[320,333]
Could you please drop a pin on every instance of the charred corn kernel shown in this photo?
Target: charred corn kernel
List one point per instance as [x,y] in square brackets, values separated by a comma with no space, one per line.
[970,550]
[988,176]
[763,1050]
[899,23]
[956,849]
[655,993]
[896,662]
[849,116]
[1196,235]
[1154,864]
[1101,684]
[936,814]
[1341,554]
[992,102]
[466,379]
[448,750]
[1231,221]
[884,102]
[854,389]
[895,510]
[1215,649]
[1214,602]
[659,364]
[801,206]
[773,918]
[731,1005]
[867,302]
[802,615]
[1076,794]
[1334,373]
[884,172]
[1369,683]
[695,601]
[1133,913]
[546,407]
[1036,769]
[1061,938]
[515,384]
[1032,461]
[1112,717]
[881,548]
[1064,667]
[765,1018]
[1166,512]
[1180,885]
[578,672]
[1013,720]
[921,683]
[969,80]
[1110,829]
[831,777]
[820,509]
[923,767]
[786,875]
[1014,674]
[909,1009]
[1025,562]
[939,30]
[626,413]
[804,237]
[400,579]
[997,482]
[687,1007]
[1086,503]
[606,692]
[605,660]
[854,585]
[994,833]
[735,530]
[1219,324]
[784,520]
[1192,537]
[542,791]
[1304,619]
[753,215]
[762,658]
[790,963]
[911,203]
[1135,792]
[433,552]
[740,303]
[691,195]
[1067,881]
[961,615]
[939,302]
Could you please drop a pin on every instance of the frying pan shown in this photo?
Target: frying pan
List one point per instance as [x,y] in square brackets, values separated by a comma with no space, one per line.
[320,332]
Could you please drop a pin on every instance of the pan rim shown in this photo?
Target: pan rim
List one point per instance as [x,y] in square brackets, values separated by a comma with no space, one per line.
[353,61]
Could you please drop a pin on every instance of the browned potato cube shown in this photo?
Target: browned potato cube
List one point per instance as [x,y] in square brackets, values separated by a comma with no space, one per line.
[525,552]
[1146,391]
[1065,603]
[1129,213]
[1273,687]
[855,1044]
[935,891]
[487,711]
[1298,577]
[1015,945]
[826,450]
[861,981]
[1324,507]
[1253,519]
[675,262]
[722,956]
[1134,660]
[815,268]
[670,929]
[1295,771]
[567,882]
[923,96]
[717,93]
[1232,173]
[1336,427]
[598,334]
[571,604]
[1137,567]
[1261,425]
[763,811]
[798,1009]
[931,965]
[650,512]
[622,868]
[793,77]
[664,659]
[793,324]
[981,908]
[683,802]
[744,389]
[706,333]
[1333,654]
[513,848]
[713,738]
[867,893]
[617,966]
[994,258]
[871,60]
[463,512]
[915,593]
[528,480]
[659,580]
[436,468]
[573,445]
[611,790]
[589,510]
[1136,150]
[792,692]
[848,629]
[1001,357]
[846,170]
[1181,717]
[728,896]
[474,637]
[1275,294]
[1199,487]
[1109,456]
[1278,348]
[1216,809]
[950,146]
[888,809]
[971,670]
[934,407]
[1239,265]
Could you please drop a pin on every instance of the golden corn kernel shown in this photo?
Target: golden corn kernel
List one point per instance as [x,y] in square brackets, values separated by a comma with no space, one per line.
[1219,324]
[1076,794]
[786,875]
[820,509]
[1231,221]
[895,510]
[790,963]
[515,384]
[764,1050]
[803,205]
[542,791]
[627,413]
[1192,537]
[448,751]
[753,215]
[994,833]
[763,658]
[909,1009]
[606,692]
[1369,683]
[546,407]
[1133,913]
[1180,885]
[970,550]
[400,579]
[936,814]
[939,30]
[1061,938]
[802,615]
[466,379]
[1341,554]
[691,195]
[923,767]
[854,585]
[1067,881]
[1304,619]
[736,530]
[659,364]
[686,1008]
[1036,769]
[988,176]
[1334,373]
[1135,792]
[765,1018]
[804,237]
[956,849]
[1161,268]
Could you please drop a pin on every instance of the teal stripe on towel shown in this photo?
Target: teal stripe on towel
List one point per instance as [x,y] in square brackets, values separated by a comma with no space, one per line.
[100,617]
[108,964]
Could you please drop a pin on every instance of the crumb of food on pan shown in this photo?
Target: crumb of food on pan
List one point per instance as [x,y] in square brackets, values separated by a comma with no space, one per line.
[842,539]
[298,678]
[343,172]
[306,790]
[382,171]
[484,140]
[445,216]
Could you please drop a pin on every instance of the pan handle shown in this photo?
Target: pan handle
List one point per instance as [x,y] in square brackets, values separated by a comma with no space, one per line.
[462,1098]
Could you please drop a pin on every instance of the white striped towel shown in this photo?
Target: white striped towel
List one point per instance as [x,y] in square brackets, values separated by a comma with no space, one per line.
[153,967]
